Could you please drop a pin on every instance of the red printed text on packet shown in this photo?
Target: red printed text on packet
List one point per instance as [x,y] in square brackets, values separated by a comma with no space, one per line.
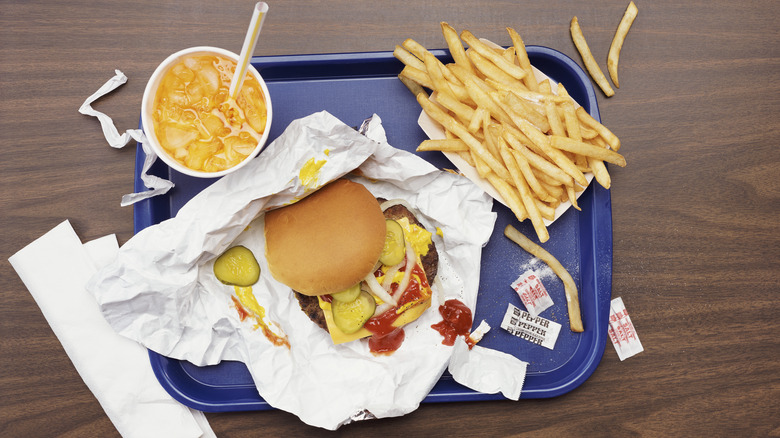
[532,293]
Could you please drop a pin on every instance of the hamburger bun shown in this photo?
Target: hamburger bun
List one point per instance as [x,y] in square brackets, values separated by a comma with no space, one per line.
[430,264]
[326,242]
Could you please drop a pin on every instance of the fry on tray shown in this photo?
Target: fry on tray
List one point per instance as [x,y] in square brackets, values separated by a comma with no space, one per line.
[617,41]
[587,58]
[572,297]
[527,139]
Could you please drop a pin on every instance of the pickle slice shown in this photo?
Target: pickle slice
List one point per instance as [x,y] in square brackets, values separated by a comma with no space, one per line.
[237,267]
[395,248]
[350,316]
[347,295]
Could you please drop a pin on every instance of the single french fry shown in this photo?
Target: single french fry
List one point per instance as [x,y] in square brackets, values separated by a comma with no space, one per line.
[414,47]
[450,124]
[477,119]
[466,156]
[570,119]
[617,41]
[587,149]
[413,86]
[570,287]
[407,58]
[456,47]
[484,100]
[556,190]
[600,173]
[612,140]
[417,75]
[510,196]
[530,177]
[547,211]
[530,111]
[513,70]
[492,141]
[554,120]
[443,145]
[509,54]
[525,193]
[572,195]
[539,162]
[522,92]
[587,58]
[432,66]
[489,69]
[587,133]
[522,56]
[460,109]
[482,168]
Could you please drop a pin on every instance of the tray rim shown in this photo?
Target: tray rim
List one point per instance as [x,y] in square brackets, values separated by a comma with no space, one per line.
[144,215]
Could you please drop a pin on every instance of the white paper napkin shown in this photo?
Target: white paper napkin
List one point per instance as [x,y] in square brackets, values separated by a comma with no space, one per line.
[55,268]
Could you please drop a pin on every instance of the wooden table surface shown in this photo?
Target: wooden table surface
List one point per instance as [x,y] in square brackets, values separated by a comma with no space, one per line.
[696,213]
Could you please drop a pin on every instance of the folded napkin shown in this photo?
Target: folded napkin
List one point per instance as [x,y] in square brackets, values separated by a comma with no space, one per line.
[116,369]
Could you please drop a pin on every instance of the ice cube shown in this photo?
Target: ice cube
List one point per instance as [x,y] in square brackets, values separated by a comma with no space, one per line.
[173,135]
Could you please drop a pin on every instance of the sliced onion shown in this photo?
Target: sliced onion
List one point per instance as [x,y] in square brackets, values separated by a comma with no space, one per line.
[390,274]
[382,308]
[411,259]
[391,202]
[378,290]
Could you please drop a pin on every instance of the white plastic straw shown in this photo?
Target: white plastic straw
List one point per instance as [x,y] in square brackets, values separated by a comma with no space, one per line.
[258,16]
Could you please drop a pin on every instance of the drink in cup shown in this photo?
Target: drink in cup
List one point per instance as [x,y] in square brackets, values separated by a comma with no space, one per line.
[191,121]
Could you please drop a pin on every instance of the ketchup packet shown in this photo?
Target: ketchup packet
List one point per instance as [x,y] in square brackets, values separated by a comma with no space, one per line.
[532,293]
[534,329]
[622,332]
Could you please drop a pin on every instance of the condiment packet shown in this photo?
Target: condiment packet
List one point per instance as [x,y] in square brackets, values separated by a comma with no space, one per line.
[537,330]
[532,293]
[486,370]
[157,185]
[622,332]
[113,367]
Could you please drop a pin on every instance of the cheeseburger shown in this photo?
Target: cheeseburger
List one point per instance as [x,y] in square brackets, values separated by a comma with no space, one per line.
[360,266]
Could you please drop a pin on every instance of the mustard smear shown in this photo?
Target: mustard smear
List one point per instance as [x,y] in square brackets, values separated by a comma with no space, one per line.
[310,171]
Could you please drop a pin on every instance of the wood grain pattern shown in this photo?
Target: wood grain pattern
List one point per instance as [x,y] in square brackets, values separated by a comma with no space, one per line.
[696,213]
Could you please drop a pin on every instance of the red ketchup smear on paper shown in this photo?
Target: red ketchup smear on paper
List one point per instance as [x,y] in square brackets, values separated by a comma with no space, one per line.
[456,321]
[388,343]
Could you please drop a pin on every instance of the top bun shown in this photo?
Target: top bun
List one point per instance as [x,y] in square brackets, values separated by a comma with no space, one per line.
[327,242]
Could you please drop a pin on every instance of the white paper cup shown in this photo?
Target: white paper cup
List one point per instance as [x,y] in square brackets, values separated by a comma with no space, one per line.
[147,108]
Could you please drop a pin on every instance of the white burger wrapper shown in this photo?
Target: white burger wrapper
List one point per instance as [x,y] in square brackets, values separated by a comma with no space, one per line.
[161,290]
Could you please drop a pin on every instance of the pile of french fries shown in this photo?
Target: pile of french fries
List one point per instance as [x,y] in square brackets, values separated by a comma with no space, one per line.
[527,138]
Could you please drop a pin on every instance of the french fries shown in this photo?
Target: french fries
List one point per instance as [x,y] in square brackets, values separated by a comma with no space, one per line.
[527,139]
[570,287]
[587,58]
[617,41]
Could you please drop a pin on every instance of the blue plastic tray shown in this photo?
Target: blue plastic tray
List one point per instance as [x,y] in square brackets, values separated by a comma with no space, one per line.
[352,87]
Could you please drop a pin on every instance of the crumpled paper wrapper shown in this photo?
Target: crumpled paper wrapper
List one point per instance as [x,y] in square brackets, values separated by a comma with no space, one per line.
[161,290]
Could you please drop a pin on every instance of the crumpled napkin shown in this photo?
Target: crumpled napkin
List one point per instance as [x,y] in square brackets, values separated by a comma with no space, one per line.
[55,268]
